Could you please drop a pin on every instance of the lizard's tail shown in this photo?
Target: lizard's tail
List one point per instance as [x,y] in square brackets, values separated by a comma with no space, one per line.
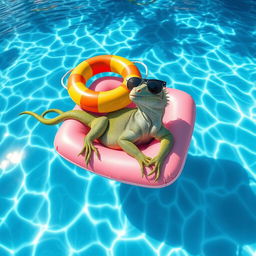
[78,115]
[54,110]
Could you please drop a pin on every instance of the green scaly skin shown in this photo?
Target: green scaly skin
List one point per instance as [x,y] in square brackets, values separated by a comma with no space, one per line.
[124,129]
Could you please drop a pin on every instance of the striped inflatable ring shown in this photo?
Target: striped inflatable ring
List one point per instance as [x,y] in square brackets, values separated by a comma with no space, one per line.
[105,101]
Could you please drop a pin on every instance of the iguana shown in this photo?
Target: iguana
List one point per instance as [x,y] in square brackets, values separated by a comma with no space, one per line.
[126,128]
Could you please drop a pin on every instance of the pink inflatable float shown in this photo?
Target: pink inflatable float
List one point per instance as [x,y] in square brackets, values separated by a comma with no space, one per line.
[118,165]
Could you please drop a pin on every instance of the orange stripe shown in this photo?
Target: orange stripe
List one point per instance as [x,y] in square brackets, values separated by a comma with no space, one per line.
[100,64]
[130,70]
[74,78]
[89,100]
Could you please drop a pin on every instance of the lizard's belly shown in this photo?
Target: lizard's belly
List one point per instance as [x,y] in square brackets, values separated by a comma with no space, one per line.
[109,142]
[112,141]
[120,124]
[111,135]
[144,140]
[117,124]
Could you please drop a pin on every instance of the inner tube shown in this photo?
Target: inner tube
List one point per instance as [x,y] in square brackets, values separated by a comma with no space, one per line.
[103,101]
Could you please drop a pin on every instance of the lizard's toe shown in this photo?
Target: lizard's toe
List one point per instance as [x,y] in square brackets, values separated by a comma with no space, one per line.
[96,151]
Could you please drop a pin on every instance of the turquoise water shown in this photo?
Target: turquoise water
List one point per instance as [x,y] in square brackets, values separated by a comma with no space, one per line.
[48,206]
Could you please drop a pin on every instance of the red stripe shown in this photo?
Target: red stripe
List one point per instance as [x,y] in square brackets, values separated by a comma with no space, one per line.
[100,64]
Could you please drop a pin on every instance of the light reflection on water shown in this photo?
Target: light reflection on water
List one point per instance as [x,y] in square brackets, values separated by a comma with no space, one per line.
[48,206]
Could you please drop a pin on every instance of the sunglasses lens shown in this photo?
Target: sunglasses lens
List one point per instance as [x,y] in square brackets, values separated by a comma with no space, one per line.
[133,82]
[155,86]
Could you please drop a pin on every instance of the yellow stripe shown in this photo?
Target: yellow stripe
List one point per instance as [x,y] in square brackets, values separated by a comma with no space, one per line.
[76,91]
[118,63]
[83,69]
[112,100]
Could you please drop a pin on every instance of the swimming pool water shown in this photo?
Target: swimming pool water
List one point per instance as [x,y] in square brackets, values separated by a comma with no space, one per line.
[48,206]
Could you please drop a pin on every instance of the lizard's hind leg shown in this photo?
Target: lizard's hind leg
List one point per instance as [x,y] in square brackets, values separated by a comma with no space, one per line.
[98,127]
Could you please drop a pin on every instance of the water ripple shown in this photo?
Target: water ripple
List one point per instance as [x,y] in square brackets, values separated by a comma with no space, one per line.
[49,206]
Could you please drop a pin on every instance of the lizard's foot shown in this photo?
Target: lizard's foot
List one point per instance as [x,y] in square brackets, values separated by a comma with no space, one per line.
[143,161]
[157,162]
[87,151]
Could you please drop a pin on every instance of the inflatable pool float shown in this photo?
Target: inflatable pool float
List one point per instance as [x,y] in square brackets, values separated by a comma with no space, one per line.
[179,118]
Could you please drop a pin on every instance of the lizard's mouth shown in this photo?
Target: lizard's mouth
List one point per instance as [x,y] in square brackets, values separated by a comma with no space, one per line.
[133,96]
[140,96]
[136,95]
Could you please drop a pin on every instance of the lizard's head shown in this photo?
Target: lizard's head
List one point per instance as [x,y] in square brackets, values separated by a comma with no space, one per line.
[148,92]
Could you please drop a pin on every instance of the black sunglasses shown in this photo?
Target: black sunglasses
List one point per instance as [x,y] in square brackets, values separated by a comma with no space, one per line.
[154,86]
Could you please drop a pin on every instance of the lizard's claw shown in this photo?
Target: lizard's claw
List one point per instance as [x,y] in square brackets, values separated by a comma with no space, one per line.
[143,161]
[87,151]
[82,151]
[157,162]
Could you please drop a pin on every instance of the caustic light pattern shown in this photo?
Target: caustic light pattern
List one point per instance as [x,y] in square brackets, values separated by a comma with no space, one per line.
[48,206]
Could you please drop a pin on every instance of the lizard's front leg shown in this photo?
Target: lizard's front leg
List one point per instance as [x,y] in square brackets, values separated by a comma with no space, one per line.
[98,127]
[166,144]
[126,143]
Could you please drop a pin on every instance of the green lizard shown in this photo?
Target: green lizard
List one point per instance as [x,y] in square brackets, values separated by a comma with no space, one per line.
[126,128]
